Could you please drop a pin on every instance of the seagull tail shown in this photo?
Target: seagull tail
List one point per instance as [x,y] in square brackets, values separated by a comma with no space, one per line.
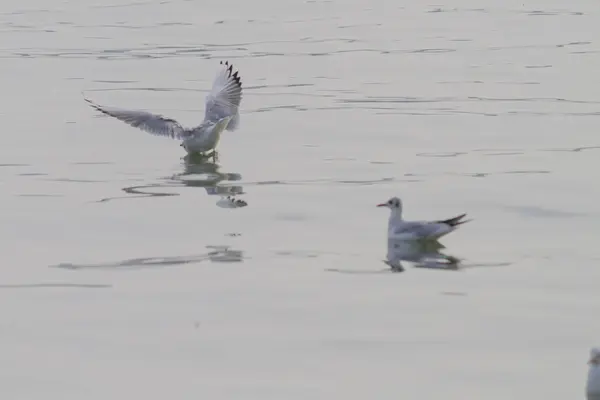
[455,221]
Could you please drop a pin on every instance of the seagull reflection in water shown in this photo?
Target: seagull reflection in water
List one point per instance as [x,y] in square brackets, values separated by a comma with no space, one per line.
[198,171]
[215,254]
[421,254]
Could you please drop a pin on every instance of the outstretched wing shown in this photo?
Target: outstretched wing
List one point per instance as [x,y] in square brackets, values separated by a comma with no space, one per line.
[225,97]
[151,123]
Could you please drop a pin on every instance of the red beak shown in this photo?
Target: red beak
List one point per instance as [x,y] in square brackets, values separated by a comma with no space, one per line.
[382,205]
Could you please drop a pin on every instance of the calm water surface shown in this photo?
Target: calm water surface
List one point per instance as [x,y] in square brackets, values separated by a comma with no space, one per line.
[121,278]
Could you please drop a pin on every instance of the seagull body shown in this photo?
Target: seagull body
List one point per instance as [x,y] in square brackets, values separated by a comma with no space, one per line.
[400,229]
[222,113]
[592,386]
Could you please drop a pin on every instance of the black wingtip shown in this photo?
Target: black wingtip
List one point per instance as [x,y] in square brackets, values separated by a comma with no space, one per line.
[455,221]
[234,75]
[96,107]
[237,202]
[91,103]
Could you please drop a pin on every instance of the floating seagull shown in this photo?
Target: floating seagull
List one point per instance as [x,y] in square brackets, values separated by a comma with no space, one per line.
[592,386]
[222,112]
[417,230]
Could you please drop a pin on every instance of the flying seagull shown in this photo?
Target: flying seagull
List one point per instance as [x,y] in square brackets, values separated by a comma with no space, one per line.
[417,230]
[222,113]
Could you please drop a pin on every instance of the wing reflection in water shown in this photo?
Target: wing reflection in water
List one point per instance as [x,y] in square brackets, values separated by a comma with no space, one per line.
[217,254]
[198,172]
[421,254]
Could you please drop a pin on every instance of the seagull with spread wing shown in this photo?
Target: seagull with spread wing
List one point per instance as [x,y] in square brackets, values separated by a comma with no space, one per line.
[222,113]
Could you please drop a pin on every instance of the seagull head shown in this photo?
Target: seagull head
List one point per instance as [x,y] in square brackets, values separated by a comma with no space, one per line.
[394,204]
[592,386]
[594,356]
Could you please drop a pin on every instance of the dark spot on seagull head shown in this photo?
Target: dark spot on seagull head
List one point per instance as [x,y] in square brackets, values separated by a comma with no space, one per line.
[393,203]
[594,356]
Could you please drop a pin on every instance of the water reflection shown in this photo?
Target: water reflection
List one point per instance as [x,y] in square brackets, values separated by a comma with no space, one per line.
[421,254]
[217,254]
[198,172]
[428,254]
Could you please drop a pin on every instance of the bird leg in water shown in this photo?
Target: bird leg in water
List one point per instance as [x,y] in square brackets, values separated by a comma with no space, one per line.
[215,156]
[202,157]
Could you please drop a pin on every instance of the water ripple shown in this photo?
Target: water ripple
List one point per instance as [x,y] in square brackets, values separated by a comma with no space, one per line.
[542,212]
[197,173]
[332,182]
[56,285]
[218,254]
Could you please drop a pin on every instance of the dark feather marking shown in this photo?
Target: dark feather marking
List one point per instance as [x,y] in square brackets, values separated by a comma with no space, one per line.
[455,221]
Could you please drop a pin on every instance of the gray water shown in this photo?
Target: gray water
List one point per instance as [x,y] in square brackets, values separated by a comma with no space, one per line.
[122,279]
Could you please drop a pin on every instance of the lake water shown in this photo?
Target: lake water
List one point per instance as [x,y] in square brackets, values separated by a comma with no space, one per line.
[122,279]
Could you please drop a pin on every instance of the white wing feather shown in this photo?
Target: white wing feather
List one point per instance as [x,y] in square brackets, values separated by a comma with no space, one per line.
[151,123]
[420,229]
[225,97]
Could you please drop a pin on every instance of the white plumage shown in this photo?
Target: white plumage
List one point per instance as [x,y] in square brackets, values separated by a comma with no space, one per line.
[400,229]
